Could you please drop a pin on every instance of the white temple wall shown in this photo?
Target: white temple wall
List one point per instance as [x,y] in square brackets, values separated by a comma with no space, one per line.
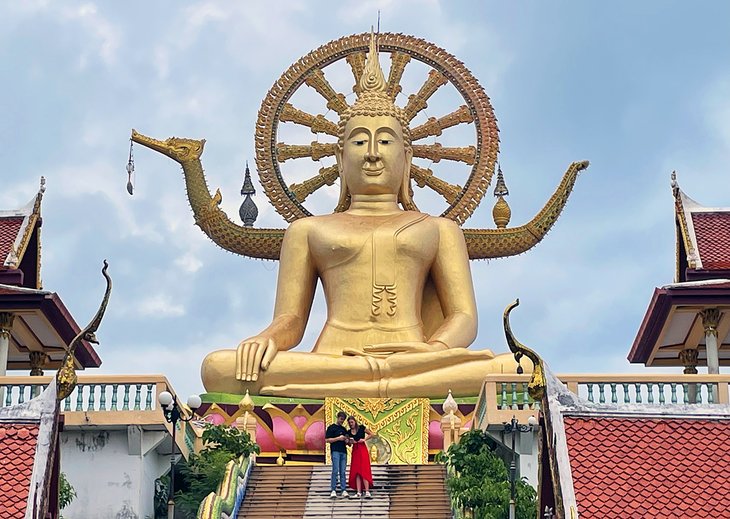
[112,471]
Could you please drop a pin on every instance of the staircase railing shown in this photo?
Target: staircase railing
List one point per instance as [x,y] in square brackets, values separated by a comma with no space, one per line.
[230,493]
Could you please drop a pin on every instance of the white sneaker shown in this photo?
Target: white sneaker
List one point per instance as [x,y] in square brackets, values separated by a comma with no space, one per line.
[345,494]
[368,495]
[333,494]
[358,495]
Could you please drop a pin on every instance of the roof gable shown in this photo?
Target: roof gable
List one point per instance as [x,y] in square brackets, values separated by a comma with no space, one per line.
[703,240]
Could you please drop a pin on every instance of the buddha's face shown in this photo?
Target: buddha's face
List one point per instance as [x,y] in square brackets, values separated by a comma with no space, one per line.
[373,159]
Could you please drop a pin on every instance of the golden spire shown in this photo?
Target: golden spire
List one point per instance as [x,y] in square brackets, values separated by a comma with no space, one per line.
[372,79]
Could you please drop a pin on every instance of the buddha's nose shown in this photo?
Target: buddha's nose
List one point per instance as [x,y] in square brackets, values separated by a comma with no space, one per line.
[372,156]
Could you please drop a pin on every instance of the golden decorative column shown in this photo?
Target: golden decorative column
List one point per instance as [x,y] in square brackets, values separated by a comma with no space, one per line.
[689,359]
[6,324]
[450,422]
[247,422]
[710,320]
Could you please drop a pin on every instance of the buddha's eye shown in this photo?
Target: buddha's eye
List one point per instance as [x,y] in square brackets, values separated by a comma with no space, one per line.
[359,142]
[385,141]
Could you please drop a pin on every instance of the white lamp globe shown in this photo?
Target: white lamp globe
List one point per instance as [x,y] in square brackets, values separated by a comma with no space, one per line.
[165,398]
[532,421]
[194,402]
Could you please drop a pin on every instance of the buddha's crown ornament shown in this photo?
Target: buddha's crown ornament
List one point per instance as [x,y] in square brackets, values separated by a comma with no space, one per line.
[373,99]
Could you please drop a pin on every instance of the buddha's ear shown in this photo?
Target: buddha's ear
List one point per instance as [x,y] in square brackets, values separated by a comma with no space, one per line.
[344,200]
[404,195]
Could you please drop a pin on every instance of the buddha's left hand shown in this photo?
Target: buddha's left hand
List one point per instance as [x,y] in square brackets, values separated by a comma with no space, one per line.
[390,348]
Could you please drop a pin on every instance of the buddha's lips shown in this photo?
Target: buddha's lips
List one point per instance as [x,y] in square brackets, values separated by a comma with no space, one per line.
[373,172]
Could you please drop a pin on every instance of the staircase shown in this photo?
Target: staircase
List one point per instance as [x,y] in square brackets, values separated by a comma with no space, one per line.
[296,491]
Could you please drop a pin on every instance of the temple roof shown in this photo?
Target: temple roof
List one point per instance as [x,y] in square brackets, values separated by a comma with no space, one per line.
[28,446]
[673,323]
[42,323]
[20,243]
[703,238]
[633,460]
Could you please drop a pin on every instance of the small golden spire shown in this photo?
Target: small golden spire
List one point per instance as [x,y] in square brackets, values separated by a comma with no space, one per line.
[501,213]
[372,79]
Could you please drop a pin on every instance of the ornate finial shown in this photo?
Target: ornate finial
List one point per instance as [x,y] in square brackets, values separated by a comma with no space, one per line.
[675,184]
[66,375]
[43,185]
[536,387]
[248,210]
[246,403]
[372,79]
[450,406]
[280,460]
[501,213]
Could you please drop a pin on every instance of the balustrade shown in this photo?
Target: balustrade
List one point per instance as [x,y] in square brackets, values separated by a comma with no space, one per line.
[505,395]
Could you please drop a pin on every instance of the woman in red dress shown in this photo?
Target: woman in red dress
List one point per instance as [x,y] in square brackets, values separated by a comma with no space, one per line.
[360,473]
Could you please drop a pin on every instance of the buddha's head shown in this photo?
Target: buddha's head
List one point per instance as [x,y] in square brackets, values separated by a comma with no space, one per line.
[374,145]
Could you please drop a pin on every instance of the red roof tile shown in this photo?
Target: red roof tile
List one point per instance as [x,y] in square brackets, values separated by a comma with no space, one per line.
[9,228]
[17,453]
[712,231]
[646,467]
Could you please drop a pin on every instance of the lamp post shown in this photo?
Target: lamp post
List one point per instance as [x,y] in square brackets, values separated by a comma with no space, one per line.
[513,427]
[173,414]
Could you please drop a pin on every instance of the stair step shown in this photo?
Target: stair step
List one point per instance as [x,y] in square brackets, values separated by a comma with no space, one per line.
[302,492]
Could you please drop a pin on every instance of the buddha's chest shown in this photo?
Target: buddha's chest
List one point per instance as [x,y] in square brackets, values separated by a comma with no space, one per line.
[371,243]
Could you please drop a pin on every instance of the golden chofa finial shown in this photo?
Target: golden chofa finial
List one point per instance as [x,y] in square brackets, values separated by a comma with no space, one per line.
[372,79]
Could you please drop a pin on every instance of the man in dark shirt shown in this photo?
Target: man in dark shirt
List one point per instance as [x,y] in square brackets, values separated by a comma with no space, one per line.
[335,436]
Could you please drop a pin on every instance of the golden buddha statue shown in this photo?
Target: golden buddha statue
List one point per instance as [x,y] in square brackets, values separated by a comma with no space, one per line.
[401,310]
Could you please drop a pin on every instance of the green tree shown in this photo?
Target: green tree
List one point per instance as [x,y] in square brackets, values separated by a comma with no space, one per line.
[203,472]
[479,480]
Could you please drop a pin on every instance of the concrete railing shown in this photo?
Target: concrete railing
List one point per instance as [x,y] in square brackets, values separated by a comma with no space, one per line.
[104,400]
[504,396]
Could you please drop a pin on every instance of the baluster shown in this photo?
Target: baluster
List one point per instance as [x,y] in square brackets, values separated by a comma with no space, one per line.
[698,391]
[514,396]
[67,403]
[115,387]
[685,390]
[662,399]
[526,397]
[710,393]
[79,397]
[138,397]
[8,395]
[503,404]
[627,397]
[125,404]
[148,401]
[102,397]
[91,404]
[590,392]
[650,389]
[614,398]
[21,395]
[601,393]
[638,393]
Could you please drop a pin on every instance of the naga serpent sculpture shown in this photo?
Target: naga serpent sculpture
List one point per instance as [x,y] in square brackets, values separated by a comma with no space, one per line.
[66,377]
[288,198]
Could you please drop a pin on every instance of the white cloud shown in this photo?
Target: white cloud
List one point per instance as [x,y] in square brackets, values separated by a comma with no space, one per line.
[189,263]
[159,306]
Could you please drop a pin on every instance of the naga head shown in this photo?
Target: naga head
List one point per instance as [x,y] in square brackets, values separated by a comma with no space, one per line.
[178,149]
[365,132]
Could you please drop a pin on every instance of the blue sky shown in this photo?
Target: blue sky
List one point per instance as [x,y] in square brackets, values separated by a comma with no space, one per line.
[639,89]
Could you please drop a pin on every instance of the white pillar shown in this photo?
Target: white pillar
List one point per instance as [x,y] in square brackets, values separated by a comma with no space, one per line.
[710,320]
[6,324]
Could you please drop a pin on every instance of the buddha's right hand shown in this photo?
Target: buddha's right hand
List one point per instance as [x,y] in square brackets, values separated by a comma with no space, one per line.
[252,355]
